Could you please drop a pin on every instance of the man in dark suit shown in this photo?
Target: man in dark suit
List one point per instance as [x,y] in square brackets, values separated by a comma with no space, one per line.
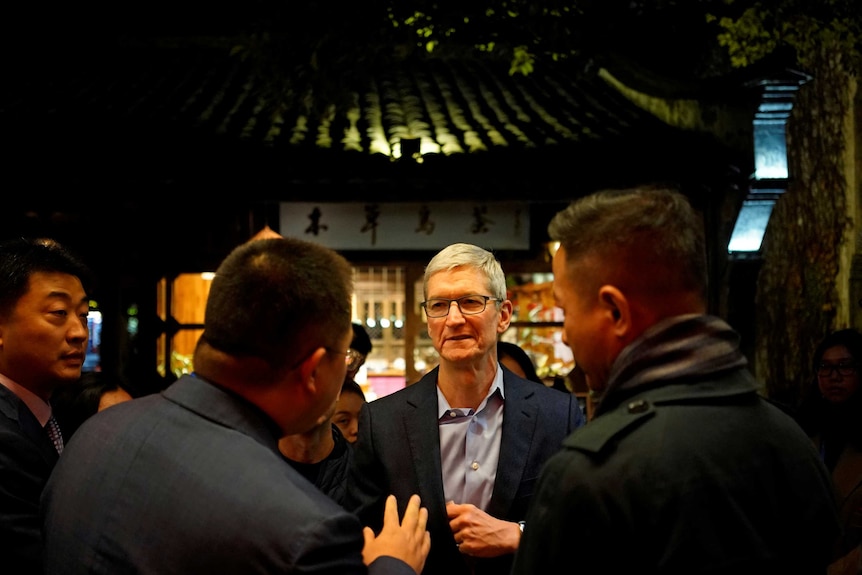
[470,437]
[191,480]
[43,341]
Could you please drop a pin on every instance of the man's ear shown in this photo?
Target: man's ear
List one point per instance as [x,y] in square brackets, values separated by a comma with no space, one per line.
[616,307]
[506,311]
[308,368]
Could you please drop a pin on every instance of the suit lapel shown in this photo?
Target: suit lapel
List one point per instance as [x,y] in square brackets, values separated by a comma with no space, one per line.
[519,420]
[420,424]
[17,411]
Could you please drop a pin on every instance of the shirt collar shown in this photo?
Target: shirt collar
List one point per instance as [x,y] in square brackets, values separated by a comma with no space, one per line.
[443,407]
[34,403]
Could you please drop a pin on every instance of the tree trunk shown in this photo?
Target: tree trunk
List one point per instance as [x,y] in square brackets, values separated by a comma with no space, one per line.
[797,295]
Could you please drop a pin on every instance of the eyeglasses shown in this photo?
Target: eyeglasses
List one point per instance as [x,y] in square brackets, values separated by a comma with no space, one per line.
[346,354]
[467,305]
[354,359]
[843,369]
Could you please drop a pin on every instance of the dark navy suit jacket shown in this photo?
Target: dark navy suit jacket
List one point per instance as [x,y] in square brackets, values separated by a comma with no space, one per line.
[398,451]
[191,481]
[27,457]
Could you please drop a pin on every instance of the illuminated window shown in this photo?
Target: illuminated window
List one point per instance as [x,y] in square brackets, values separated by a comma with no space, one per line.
[750,226]
[180,304]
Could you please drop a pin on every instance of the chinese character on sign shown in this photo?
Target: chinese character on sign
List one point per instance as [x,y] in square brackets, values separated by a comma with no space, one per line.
[480,220]
[425,224]
[372,212]
[315,226]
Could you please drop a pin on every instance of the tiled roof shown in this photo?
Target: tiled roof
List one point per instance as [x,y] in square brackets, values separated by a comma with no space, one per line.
[197,115]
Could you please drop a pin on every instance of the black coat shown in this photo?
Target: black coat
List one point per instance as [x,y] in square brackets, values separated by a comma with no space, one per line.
[694,477]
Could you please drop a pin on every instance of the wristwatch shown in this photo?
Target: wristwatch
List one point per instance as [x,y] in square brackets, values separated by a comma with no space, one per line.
[521,525]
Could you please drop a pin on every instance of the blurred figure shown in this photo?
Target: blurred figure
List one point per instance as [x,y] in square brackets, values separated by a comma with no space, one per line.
[347,408]
[684,468]
[469,437]
[43,342]
[513,356]
[831,414]
[93,392]
[351,398]
[360,347]
[191,480]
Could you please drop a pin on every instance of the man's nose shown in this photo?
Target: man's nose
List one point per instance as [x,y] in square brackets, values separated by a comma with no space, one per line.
[79,330]
[457,309]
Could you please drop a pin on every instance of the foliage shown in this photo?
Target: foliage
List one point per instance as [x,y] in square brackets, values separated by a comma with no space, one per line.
[759,29]
[530,34]
[307,48]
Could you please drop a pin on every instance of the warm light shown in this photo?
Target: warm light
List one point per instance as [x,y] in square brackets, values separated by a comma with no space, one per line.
[207,276]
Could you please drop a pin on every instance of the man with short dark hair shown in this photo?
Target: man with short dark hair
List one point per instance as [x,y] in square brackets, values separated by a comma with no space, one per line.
[43,342]
[191,480]
[684,468]
[471,436]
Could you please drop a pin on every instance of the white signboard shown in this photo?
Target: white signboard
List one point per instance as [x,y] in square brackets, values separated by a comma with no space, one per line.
[408,226]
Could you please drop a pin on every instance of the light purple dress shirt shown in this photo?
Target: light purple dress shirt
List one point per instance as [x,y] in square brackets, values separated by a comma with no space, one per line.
[470,446]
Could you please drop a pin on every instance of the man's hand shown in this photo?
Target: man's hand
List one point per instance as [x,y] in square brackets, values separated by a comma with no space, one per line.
[480,535]
[407,540]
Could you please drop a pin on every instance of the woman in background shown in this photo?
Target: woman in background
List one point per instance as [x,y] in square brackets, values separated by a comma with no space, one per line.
[93,392]
[831,414]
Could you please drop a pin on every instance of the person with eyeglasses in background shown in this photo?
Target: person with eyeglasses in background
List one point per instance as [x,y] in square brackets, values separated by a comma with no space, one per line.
[831,414]
[470,437]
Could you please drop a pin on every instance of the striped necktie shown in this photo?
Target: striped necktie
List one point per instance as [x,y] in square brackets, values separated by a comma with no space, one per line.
[53,430]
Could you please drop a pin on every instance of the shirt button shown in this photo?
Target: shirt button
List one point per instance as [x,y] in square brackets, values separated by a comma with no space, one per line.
[453,414]
[475,465]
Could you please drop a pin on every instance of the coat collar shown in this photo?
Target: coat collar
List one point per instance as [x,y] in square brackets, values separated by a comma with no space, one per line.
[223,407]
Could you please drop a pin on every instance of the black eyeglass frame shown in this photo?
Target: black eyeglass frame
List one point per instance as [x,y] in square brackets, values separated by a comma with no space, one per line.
[485,298]
[843,369]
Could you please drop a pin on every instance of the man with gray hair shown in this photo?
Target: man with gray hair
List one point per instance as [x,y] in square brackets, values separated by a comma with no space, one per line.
[471,436]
